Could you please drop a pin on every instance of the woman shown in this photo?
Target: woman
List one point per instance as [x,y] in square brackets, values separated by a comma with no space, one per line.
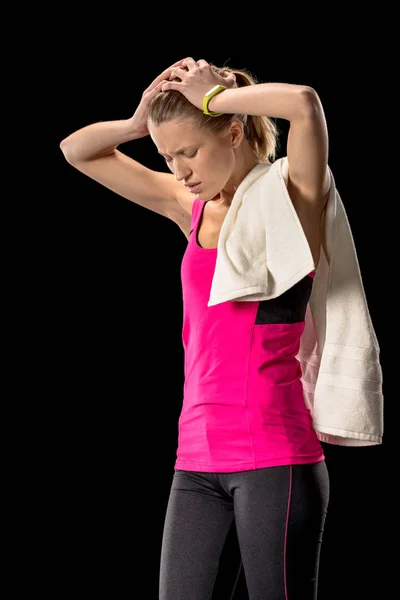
[247,450]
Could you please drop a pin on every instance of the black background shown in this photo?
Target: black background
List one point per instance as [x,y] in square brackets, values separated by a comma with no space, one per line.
[115,306]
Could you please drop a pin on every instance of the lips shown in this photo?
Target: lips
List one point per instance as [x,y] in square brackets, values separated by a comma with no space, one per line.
[194,189]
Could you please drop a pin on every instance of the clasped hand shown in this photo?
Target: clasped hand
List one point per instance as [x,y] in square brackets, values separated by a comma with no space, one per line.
[194,79]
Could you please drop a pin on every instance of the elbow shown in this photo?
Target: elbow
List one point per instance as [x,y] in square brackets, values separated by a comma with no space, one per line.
[64,147]
[66,150]
[310,104]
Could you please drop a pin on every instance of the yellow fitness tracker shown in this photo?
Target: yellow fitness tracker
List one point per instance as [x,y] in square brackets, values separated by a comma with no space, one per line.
[207,97]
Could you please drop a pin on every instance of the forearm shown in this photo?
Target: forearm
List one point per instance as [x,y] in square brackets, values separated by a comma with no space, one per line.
[276,100]
[97,140]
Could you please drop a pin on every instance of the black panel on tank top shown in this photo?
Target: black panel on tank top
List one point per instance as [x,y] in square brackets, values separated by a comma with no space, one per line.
[289,307]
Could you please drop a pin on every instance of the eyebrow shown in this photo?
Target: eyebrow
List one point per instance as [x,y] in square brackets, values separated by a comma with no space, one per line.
[180,151]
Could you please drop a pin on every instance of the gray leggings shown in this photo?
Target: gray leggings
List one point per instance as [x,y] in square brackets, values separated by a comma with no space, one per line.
[279,514]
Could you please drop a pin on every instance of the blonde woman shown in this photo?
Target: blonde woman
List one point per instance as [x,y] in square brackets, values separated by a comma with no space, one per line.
[247,453]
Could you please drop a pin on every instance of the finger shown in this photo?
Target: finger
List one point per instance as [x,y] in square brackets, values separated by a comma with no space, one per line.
[156,89]
[190,63]
[177,72]
[164,75]
[170,85]
[177,64]
[202,63]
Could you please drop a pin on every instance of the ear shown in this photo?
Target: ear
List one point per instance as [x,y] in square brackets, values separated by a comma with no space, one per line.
[236,132]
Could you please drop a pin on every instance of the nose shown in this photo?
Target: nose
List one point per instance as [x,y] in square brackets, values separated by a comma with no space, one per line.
[181,172]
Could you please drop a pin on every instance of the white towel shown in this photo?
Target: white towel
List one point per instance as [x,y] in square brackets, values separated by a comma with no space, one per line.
[262,252]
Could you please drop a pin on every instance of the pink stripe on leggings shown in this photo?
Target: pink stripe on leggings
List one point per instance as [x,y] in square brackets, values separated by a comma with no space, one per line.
[286,530]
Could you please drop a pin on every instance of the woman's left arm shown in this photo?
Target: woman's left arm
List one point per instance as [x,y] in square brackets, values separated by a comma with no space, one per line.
[307,144]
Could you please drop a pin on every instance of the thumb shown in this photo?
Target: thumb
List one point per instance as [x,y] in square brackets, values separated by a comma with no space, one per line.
[232,79]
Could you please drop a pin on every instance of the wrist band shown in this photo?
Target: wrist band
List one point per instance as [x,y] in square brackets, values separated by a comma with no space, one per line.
[207,97]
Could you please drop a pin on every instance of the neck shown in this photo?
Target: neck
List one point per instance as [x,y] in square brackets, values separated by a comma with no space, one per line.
[245,162]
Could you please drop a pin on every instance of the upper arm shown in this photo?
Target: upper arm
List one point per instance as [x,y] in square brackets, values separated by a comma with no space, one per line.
[307,153]
[157,191]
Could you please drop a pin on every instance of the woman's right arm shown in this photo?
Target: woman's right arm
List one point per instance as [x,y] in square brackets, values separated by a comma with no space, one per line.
[93,151]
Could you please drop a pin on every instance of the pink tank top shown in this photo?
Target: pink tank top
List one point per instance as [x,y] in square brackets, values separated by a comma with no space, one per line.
[243,406]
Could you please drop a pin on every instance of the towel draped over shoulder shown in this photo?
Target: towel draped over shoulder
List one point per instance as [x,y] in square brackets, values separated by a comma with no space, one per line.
[262,252]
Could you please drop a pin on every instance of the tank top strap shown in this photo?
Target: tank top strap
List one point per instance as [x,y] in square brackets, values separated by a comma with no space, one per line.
[196,213]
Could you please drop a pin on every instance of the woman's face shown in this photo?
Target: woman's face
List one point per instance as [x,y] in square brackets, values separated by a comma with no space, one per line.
[197,156]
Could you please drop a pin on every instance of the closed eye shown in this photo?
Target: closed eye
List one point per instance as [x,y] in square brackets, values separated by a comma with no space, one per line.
[167,160]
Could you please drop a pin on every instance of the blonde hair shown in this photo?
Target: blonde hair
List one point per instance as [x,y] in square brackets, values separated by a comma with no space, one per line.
[260,132]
